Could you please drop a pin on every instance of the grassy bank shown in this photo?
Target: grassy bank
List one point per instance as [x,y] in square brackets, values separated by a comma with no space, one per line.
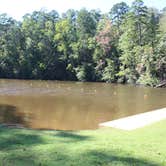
[106,147]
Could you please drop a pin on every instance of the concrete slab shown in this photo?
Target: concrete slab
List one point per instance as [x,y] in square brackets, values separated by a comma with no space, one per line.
[136,121]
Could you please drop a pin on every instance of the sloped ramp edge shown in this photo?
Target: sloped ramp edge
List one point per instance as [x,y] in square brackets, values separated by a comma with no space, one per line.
[136,121]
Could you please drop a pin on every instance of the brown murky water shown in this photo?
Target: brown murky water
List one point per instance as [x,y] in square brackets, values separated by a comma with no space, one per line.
[72,105]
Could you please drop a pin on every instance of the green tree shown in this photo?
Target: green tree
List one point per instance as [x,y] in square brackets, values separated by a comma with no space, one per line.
[133,38]
[117,13]
[64,37]
[86,45]
[83,48]
[11,47]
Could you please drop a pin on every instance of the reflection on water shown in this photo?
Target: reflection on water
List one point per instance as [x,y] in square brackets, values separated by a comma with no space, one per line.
[9,115]
[72,105]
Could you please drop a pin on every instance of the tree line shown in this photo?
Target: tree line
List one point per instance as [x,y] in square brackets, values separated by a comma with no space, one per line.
[126,45]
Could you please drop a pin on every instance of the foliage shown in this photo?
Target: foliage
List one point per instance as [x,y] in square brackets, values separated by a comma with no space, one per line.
[127,45]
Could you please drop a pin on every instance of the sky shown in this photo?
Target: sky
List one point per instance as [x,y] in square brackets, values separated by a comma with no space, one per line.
[18,8]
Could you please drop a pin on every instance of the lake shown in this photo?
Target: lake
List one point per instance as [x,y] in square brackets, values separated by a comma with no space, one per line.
[72,105]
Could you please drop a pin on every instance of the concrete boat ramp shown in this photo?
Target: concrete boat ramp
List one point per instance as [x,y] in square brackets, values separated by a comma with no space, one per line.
[137,121]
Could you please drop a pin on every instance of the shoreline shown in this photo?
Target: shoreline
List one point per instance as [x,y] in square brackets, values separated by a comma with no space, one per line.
[137,121]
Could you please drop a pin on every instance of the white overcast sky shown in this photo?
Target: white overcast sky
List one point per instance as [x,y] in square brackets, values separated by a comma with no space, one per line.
[18,8]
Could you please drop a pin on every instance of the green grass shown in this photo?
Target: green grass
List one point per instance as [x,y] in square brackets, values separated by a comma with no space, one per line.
[102,147]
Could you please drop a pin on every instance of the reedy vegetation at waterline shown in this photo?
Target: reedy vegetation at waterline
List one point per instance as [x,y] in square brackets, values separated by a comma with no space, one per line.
[126,45]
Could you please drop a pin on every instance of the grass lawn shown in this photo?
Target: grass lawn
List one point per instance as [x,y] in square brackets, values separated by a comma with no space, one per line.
[102,147]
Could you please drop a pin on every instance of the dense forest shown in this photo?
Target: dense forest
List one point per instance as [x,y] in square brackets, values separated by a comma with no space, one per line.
[126,45]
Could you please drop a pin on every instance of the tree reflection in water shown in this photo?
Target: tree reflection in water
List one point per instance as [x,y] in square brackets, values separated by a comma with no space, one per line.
[10,116]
